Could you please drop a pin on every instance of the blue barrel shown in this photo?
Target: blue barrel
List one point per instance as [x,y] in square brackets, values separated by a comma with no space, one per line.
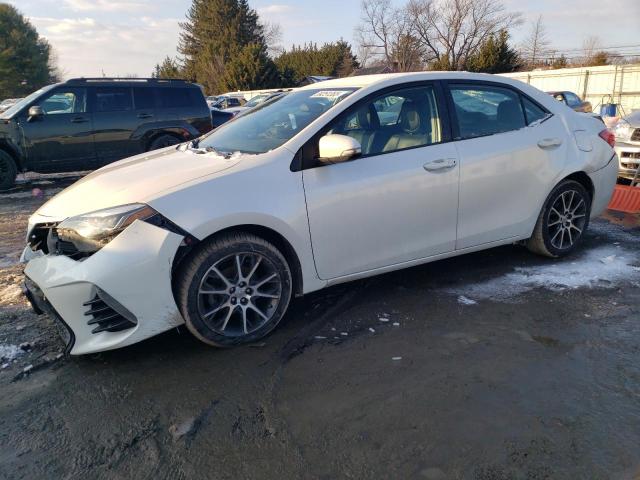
[608,110]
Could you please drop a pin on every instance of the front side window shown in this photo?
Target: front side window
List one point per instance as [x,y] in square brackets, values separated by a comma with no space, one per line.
[113,99]
[67,100]
[401,119]
[273,123]
[486,110]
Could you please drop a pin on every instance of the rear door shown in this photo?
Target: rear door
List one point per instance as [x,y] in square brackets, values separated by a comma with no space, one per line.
[62,139]
[115,120]
[511,151]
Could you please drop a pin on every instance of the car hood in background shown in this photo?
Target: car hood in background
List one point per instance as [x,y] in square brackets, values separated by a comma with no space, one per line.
[135,180]
[633,119]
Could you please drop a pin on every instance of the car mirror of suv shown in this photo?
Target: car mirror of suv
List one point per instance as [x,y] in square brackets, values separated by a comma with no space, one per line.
[336,148]
[35,112]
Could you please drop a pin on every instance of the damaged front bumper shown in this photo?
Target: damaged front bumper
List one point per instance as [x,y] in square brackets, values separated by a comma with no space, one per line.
[118,296]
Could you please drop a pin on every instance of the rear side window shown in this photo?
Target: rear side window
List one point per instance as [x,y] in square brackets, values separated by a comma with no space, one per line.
[532,111]
[179,97]
[113,99]
[143,98]
[486,110]
[573,100]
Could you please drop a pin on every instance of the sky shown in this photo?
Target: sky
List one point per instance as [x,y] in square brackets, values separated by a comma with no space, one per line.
[122,37]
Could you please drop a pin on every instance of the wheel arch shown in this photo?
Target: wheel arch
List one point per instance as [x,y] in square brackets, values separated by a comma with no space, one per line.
[158,133]
[583,179]
[268,234]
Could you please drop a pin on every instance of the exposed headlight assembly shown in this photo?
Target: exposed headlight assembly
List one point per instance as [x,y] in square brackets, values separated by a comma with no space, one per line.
[89,232]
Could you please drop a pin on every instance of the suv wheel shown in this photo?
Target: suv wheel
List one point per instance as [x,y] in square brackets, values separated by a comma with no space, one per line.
[562,221]
[163,141]
[8,171]
[234,290]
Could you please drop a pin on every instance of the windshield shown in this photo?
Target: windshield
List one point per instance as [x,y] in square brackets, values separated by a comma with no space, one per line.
[10,112]
[273,123]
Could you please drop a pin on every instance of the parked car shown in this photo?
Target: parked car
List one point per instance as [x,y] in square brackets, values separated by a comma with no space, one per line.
[310,191]
[572,101]
[226,101]
[255,101]
[627,133]
[218,117]
[84,123]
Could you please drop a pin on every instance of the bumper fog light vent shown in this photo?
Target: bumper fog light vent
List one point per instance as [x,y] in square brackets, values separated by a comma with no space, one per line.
[108,315]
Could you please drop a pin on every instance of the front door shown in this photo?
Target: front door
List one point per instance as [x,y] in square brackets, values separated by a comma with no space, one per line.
[62,138]
[398,201]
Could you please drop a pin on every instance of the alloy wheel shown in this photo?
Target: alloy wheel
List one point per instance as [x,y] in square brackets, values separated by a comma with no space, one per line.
[239,294]
[567,219]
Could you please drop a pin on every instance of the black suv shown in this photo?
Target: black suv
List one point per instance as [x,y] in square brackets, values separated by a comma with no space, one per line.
[85,123]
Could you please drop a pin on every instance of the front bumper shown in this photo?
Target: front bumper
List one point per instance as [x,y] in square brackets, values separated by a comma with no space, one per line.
[132,274]
[629,155]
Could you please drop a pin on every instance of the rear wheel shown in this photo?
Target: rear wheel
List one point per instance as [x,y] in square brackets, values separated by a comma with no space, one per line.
[8,171]
[563,220]
[234,290]
[163,141]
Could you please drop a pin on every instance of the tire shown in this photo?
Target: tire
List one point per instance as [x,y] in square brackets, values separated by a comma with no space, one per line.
[8,171]
[562,222]
[221,307]
[163,141]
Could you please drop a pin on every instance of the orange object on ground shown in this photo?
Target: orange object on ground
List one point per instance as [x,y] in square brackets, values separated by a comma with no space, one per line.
[625,199]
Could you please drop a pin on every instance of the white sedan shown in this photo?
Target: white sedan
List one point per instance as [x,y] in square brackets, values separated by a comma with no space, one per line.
[331,183]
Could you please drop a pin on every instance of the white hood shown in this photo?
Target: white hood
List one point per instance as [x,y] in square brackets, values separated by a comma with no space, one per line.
[134,180]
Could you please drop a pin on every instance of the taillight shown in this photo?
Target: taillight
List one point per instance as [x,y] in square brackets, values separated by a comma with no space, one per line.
[608,136]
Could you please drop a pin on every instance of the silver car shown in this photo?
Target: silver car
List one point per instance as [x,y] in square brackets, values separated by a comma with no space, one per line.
[628,145]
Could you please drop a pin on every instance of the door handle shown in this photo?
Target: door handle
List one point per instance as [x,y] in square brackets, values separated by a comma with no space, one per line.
[145,115]
[550,142]
[440,164]
[79,120]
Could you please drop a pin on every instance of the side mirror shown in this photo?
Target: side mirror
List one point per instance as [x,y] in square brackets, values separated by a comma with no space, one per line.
[338,148]
[35,112]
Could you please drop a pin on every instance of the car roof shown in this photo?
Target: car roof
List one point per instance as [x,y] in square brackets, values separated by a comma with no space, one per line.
[155,82]
[364,81]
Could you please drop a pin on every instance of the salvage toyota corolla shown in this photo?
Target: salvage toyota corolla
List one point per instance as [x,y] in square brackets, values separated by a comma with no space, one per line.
[330,183]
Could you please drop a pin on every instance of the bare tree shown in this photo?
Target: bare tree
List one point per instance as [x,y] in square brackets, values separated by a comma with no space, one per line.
[590,49]
[388,32]
[535,48]
[273,38]
[450,31]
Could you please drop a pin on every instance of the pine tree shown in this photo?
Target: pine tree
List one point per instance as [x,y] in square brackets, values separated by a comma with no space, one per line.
[168,69]
[251,69]
[494,56]
[24,56]
[334,59]
[213,32]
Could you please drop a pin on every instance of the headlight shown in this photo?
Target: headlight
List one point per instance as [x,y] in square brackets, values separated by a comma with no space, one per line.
[623,130]
[90,232]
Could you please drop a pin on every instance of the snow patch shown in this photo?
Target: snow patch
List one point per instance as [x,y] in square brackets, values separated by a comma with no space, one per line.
[8,353]
[10,294]
[602,267]
[462,300]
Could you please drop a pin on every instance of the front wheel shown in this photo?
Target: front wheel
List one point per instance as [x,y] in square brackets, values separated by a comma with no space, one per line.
[163,141]
[563,220]
[233,290]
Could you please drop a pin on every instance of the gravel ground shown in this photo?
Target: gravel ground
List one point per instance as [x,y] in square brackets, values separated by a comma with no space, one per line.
[495,365]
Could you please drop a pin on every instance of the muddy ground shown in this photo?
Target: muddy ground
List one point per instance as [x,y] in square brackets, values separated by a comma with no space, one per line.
[496,365]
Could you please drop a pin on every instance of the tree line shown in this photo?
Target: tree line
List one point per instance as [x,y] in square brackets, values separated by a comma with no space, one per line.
[225,46]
